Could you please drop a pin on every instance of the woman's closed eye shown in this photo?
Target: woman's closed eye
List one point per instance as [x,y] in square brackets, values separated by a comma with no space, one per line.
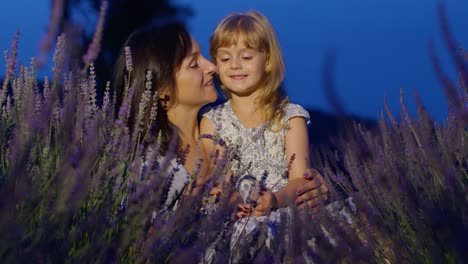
[193,64]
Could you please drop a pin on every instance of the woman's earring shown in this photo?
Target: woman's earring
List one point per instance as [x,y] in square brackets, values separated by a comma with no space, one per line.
[165,101]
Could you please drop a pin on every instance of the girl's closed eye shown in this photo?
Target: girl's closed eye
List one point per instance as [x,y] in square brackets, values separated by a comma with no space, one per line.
[224,59]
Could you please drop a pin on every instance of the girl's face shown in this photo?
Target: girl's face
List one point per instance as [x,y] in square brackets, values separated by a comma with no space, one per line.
[240,69]
[194,80]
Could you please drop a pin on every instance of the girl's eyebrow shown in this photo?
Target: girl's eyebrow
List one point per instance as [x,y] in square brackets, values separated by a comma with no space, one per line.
[227,50]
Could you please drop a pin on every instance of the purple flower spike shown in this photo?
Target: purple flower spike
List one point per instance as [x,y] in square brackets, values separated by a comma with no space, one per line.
[95,46]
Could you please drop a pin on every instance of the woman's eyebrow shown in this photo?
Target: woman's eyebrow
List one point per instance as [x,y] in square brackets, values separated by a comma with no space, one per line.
[194,54]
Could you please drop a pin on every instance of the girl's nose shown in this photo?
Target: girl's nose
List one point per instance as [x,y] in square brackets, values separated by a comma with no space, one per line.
[235,64]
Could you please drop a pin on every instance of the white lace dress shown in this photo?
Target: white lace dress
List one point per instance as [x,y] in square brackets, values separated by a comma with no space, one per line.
[260,158]
[175,179]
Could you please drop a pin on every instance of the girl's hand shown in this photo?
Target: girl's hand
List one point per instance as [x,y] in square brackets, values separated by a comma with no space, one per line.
[243,210]
[314,192]
[217,190]
[265,201]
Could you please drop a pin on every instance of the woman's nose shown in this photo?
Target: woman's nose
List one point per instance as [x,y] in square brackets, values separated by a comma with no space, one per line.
[210,68]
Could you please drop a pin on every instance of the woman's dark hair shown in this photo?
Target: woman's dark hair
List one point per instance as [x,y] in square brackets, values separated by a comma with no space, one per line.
[160,49]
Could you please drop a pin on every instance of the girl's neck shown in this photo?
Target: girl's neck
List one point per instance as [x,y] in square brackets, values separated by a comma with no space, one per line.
[243,104]
[247,111]
[246,103]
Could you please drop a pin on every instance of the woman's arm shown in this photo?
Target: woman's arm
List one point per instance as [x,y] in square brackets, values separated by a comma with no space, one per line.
[306,187]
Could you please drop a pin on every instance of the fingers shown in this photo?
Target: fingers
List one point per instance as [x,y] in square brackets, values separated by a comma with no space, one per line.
[306,187]
[244,207]
[308,196]
[243,210]
[312,203]
[311,173]
[324,191]
[314,183]
[240,215]
[263,206]
[313,198]
[216,191]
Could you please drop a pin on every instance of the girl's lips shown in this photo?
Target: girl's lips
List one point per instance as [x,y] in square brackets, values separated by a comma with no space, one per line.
[238,77]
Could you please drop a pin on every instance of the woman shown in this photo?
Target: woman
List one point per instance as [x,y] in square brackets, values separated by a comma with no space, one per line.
[166,61]
[164,64]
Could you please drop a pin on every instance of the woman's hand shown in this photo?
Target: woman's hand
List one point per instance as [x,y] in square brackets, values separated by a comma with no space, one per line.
[314,192]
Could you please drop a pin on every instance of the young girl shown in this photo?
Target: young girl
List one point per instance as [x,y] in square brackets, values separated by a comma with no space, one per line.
[267,133]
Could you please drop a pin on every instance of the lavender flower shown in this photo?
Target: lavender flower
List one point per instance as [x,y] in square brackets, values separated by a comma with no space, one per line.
[144,101]
[46,92]
[128,59]
[95,46]
[92,88]
[55,19]
[10,67]
[106,100]
[154,107]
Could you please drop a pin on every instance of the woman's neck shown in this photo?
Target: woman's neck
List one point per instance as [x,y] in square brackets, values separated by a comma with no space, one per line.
[185,120]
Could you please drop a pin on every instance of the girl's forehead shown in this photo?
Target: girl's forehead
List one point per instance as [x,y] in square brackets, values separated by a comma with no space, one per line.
[235,48]
[238,43]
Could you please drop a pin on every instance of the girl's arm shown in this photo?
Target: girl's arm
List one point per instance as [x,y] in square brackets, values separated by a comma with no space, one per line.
[213,152]
[208,145]
[297,153]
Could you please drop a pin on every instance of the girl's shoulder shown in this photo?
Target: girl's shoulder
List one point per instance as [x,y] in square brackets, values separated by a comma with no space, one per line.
[210,109]
[215,112]
[294,110]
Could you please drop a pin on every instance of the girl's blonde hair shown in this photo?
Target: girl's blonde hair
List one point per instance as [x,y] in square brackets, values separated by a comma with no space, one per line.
[257,33]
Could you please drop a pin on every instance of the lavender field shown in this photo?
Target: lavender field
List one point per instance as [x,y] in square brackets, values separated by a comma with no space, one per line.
[71,189]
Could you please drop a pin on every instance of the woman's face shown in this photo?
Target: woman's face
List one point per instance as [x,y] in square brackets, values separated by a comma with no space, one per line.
[194,80]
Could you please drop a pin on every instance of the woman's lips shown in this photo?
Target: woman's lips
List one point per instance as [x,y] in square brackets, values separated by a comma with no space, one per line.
[209,83]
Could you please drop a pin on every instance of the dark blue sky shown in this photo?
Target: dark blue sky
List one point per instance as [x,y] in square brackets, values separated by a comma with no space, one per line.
[381,45]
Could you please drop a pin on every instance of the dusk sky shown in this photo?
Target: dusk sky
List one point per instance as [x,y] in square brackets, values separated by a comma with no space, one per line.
[381,46]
